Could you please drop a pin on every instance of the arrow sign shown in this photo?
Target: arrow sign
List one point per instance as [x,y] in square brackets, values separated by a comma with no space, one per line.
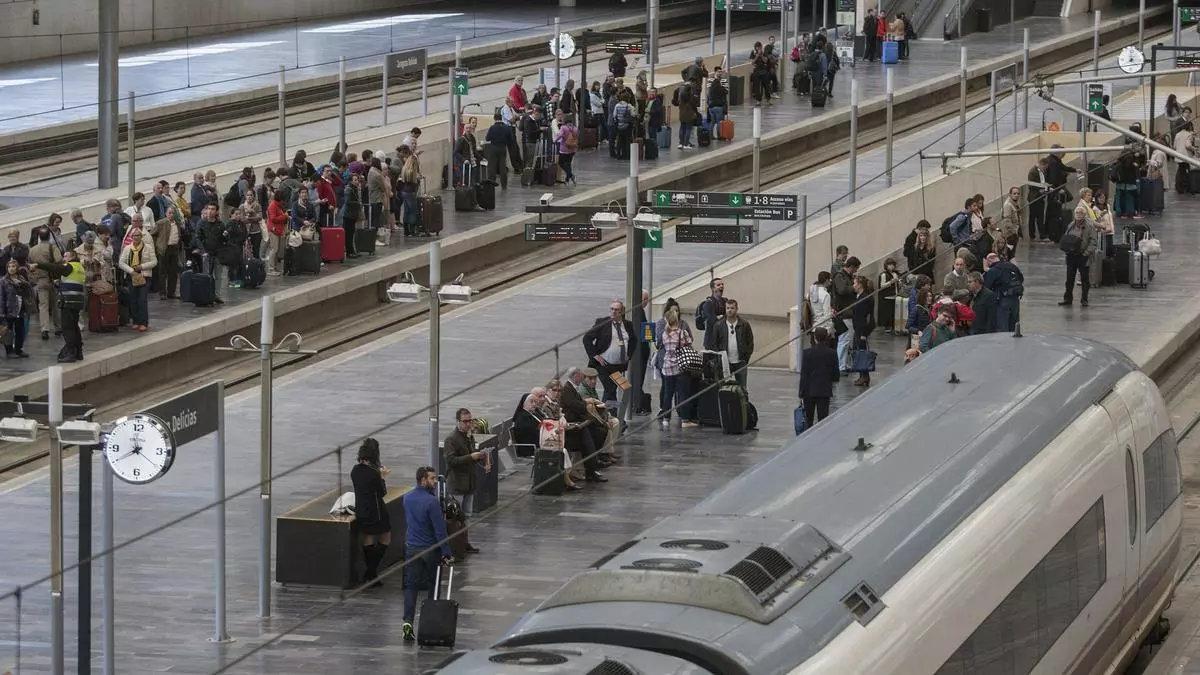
[461,81]
[735,199]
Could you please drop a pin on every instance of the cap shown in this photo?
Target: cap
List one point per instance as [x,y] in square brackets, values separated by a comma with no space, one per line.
[589,372]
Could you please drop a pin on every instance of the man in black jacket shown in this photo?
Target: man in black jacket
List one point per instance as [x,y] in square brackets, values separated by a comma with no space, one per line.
[501,145]
[736,339]
[983,303]
[818,372]
[610,345]
[712,311]
[532,130]
[579,435]
[1056,176]
[870,42]
[718,98]
[843,296]
[213,236]
[461,460]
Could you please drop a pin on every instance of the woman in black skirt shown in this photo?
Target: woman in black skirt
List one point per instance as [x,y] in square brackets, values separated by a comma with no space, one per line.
[370,513]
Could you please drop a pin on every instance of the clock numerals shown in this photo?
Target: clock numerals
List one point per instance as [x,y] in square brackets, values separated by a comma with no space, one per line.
[136,472]
[139,449]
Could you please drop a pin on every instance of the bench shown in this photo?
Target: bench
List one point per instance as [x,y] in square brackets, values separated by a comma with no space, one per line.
[316,548]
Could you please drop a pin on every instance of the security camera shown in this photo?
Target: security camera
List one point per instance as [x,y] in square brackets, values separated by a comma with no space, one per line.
[544,200]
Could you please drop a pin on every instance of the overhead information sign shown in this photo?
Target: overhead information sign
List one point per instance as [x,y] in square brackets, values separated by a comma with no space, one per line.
[405,63]
[192,415]
[754,5]
[629,47]
[561,232]
[714,234]
[765,206]
[1187,60]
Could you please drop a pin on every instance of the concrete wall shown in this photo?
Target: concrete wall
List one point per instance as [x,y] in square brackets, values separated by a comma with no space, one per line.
[144,21]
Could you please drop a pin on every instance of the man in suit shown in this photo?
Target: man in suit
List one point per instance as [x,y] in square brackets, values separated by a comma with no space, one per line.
[579,422]
[818,372]
[736,339]
[461,459]
[643,353]
[610,345]
[983,303]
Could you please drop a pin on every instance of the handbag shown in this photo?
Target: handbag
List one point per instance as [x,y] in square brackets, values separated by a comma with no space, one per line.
[863,361]
[308,232]
[688,360]
[1070,243]
[1150,246]
[294,240]
[799,423]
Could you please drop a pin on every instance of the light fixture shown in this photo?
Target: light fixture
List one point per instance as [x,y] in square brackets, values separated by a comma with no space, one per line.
[78,432]
[546,198]
[606,220]
[18,430]
[405,290]
[645,220]
[455,293]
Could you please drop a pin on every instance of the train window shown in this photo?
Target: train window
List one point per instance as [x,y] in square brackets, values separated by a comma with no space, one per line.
[1131,495]
[1161,465]
[1019,632]
[1170,466]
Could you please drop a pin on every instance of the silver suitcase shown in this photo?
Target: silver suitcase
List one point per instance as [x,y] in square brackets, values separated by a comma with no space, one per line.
[1139,270]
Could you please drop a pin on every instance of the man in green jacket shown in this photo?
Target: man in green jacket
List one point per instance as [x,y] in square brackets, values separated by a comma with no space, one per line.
[940,330]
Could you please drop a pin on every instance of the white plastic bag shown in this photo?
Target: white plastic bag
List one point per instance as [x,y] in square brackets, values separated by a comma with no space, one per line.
[343,506]
[1150,247]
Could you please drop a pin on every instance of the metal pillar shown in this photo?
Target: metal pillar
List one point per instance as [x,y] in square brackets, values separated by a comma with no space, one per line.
[1175,27]
[220,633]
[558,61]
[1142,26]
[435,348]
[130,147]
[814,17]
[383,93]
[282,87]
[728,38]
[992,103]
[783,39]
[342,104]
[712,27]
[55,397]
[801,276]
[890,101]
[962,98]
[825,16]
[108,581]
[83,650]
[266,396]
[1096,44]
[449,156]
[455,107]
[1025,70]
[853,173]
[107,98]
[652,47]
[633,259]
[756,157]
[425,91]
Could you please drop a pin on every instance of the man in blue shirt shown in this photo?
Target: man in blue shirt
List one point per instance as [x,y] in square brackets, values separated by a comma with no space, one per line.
[960,227]
[426,535]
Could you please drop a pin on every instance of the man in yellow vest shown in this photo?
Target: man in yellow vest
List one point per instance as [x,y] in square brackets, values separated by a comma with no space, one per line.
[71,300]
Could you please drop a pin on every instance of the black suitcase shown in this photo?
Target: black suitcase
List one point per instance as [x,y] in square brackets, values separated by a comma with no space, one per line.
[438,626]
[708,407]
[464,195]
[1150,195]
[307,258]
[703,136]
[1194,182]
[818,97]
[255,273]
[1182,182]
[485,195]
[527,176]
[649,149]
[1108,272]
[737,89]
[431,213]
[364,240]
[548,473]
[731,401]
[802,82]
[1121,263]
[197,288]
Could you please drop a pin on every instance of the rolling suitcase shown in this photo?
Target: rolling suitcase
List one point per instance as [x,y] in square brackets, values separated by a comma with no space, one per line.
[485,195]
[1150,195]
[255,273]
[548,173]
[547,473]
[527,174]
[1139,270]
[737,89]
[1182,182]
[307,258]
[1108,272]
[198,288]
[364,240]
[1132,233]
[589,138]
[104,312]
[649,150]
[438,626]
[464,195]
[703,136]
[708,408]
[725,130]
[732,404]
[1194,182]
[431,213]
[664,137]
[818,97]
[802,82]
[891,52]
[1121,263]
[333,244]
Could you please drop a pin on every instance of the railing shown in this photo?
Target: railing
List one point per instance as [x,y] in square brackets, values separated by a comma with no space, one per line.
[953,18]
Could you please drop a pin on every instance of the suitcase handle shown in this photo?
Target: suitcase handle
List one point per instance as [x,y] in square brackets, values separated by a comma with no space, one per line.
[437,582]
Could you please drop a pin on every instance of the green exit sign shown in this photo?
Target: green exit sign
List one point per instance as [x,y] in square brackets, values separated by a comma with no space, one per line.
[720,5]
[736,199]
[460,82]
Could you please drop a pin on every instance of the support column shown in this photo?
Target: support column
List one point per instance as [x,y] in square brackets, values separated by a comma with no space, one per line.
[107,98]
[1025,71]
[1142,26]
[455,107]
[652,47]
[853,173]
[265,427]
[712,26]
[83,616]
[282,87]
[633,263]
[220,632]
[435,348]
[801,276]
[342,103]
[728,38]
[962,99]
[756,157]
[890,130]
[557,61]
[55,397]
[108,581]
[131,147]
[383,89]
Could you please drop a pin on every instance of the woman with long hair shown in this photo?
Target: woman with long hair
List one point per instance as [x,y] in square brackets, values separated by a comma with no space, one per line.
[370,510]
[863,319]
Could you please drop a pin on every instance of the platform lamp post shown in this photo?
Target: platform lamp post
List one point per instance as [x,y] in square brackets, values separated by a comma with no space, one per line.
[290,344]
[407,290]
[21,423]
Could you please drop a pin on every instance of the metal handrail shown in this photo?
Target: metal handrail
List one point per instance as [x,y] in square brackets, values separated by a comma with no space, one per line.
[956,13]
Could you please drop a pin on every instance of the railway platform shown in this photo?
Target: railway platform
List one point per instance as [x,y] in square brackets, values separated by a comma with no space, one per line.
[790,120]
[530,544]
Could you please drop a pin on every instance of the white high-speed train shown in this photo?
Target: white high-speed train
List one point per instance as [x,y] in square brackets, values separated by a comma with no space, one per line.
[1002,505]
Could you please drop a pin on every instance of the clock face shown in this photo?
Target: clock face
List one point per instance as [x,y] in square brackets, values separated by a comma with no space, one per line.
[139,449]
[1131,59]
[565,44]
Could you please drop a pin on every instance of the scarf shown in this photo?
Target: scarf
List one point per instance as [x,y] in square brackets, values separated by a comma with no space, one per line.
[135,261]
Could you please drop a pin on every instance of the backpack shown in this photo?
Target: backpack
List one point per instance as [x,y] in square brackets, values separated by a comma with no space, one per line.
[945,234]
[700,313]
[835,64]
[795,55]
[1012,282]
[814,61]
[675,97]
[233,197]
[570,140]
[623,115]
[614,61]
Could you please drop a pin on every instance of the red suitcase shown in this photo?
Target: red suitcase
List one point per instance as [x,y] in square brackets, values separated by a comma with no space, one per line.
[333,244]
[104,312]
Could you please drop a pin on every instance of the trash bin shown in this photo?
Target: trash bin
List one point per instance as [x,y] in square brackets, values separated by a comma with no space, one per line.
[983,19]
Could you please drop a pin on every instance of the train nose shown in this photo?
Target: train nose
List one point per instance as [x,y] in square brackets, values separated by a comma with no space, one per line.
[564,659]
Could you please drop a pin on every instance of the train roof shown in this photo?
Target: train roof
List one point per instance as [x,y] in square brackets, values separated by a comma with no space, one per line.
[860,498]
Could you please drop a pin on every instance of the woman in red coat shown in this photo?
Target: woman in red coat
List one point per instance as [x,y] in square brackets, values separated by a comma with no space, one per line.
[517,93]
[277,221]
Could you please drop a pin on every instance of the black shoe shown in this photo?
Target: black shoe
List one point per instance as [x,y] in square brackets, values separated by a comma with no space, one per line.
[58,333]
[72,359]
[1065,303]
[596,477]
[23,355]
[574,488]
[1083,303]
[45,335]
[351,255]
[218,301]
[472,549]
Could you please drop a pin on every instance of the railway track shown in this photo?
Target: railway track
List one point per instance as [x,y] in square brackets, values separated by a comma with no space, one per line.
[27,164]
[244,373]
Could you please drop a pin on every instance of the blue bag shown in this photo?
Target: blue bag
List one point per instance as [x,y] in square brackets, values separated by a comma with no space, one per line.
[798,421]
[863,361]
